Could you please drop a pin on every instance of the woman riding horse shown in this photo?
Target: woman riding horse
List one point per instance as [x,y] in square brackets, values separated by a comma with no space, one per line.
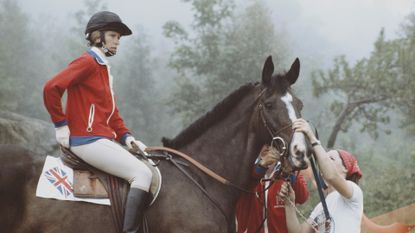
[91,126]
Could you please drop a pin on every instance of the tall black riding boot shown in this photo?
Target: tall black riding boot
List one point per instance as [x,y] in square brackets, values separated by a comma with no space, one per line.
[137,201]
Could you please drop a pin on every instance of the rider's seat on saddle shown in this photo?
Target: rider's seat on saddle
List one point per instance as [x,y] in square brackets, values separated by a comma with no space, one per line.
[89,182]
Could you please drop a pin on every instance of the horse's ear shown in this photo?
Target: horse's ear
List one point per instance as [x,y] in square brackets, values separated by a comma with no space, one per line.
[292,74]
[267,71]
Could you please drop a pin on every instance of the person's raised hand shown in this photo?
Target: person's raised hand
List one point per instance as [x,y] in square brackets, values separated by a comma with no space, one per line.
[301,125]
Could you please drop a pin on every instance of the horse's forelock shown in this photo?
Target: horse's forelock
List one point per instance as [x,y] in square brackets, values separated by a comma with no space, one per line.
[279,84]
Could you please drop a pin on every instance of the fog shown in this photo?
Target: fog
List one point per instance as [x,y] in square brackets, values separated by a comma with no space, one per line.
[319,29]
[316,31]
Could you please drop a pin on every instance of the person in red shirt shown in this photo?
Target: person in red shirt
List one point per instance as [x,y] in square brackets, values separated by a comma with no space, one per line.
[251,216]
[91,125]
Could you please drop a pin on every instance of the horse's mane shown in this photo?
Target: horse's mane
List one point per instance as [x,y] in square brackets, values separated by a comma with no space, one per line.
[217,113]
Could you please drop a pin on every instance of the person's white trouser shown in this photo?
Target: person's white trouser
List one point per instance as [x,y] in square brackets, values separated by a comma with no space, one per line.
[112,158]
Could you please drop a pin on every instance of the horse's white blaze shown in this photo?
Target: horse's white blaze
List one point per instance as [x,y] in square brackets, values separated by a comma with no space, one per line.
[298,144]
[288,101]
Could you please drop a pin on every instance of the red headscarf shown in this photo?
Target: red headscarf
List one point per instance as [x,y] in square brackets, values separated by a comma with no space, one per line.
[350,163]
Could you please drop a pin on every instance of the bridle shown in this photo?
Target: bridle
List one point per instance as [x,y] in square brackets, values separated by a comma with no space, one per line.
[280,146]
[276,141]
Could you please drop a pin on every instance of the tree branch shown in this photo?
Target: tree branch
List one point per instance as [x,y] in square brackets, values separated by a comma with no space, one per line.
[347,110]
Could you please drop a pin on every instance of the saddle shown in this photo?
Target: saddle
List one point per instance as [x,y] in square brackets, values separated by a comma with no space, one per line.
[89,182]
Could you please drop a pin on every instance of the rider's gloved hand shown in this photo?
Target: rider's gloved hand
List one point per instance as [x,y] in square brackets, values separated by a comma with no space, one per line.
[133,144]
[141,145]
[62,135]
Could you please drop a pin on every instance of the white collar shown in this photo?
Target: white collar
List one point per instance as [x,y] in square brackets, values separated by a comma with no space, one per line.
[99,56]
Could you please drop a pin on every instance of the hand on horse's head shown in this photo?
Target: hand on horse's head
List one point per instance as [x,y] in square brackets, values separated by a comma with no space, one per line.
[268,155]
[301,125]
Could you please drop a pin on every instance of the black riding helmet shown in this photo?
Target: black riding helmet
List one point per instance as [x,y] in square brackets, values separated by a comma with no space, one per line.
[106,20]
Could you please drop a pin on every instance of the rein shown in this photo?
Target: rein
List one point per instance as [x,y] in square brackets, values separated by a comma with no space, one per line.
[200,166]
[319,182]
[329,224]
[206,171]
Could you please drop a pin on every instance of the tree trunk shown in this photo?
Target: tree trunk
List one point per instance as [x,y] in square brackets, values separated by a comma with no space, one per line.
[337,126]
[345,112]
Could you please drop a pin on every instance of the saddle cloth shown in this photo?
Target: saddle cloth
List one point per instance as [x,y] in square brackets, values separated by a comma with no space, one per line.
[56,182]
[61,182]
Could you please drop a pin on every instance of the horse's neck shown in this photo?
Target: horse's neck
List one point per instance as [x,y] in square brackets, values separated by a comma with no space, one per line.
[228,147]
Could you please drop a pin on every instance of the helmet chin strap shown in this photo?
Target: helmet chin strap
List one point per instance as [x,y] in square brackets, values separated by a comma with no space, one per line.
[107,52]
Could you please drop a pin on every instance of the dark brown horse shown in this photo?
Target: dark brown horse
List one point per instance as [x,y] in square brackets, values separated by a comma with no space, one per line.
[227,140]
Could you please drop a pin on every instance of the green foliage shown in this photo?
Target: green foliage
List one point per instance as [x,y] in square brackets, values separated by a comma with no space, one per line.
[367,95]
[406,57]
[371,89]
[363,93]
[18,61]
[387,181]
[13,24]
[210,13]
[224,50]
[27,59]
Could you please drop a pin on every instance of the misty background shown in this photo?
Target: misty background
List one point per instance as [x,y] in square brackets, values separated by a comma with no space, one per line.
[356,79]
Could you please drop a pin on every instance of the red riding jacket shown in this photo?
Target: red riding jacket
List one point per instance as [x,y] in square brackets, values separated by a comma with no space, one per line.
[250,209]
[90,106]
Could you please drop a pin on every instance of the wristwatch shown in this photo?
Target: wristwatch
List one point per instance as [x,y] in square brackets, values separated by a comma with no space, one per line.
[316,143]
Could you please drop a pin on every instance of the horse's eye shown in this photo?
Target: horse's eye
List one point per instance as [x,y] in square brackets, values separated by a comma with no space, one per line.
[268,105]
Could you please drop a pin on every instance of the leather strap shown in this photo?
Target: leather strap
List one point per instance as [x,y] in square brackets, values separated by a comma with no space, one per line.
[192,161]
[198,165]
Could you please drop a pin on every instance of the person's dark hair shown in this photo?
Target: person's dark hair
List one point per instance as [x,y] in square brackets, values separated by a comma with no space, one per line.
[354,178]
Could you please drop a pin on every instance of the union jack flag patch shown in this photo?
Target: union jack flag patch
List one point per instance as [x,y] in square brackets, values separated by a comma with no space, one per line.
[59,179]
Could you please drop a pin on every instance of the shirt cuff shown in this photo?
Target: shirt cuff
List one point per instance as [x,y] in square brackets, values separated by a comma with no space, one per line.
[124,137]
[60,123]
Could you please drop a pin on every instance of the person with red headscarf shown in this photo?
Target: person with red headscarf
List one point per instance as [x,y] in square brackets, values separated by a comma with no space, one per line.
[344,197]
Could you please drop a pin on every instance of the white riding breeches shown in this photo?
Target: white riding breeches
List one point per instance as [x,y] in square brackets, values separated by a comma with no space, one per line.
[112,158]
